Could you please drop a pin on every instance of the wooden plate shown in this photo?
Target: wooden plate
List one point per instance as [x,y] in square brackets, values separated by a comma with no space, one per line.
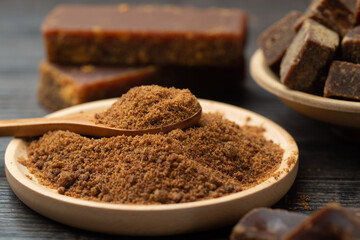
[151,219]
[334,111]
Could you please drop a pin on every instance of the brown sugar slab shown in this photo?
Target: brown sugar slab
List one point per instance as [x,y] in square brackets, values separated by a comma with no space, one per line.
[144,35]
[62,86]
[156,219]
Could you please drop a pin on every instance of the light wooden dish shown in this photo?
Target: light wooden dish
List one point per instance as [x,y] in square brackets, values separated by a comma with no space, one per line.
[151,219]
[333,111]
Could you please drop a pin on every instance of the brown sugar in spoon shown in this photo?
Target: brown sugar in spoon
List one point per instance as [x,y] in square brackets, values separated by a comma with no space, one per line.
[143,109]
[82,123]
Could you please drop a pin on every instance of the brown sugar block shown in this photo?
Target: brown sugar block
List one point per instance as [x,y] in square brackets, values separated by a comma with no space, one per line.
[308,56]
[343,81]
[334,14]
[64,86]
[144,35]
[266,223]
[350,46]
[275,40]
[331,222]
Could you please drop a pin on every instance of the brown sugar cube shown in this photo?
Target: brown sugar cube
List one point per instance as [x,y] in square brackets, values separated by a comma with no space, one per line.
[343,81]
[275,40]
[64,86]
[266,223]
[144,35]
[334,14]
[331,222]
[310,52]
[350,46]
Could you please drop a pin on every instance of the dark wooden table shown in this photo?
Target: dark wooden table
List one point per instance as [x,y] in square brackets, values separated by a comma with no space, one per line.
[329,165]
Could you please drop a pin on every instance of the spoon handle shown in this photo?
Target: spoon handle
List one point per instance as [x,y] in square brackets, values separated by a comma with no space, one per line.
[82,123]
[32,126]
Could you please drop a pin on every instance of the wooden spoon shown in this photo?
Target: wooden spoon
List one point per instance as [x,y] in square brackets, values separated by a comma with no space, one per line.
[82,123]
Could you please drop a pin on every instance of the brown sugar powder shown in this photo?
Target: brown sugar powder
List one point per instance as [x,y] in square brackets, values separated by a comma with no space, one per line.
[215,158]
[150,106]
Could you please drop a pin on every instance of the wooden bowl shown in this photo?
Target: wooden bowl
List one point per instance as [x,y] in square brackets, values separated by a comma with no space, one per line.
[154,219]
[333,111]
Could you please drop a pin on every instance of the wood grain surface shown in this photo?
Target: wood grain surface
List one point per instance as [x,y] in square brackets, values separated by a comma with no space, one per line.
[329,164]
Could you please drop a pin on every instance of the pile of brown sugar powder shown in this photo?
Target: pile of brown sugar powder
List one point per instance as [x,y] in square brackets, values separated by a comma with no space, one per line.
[216,157]
[150,106]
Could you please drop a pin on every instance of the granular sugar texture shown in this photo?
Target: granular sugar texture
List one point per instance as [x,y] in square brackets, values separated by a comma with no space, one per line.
[215,158]
[150,106]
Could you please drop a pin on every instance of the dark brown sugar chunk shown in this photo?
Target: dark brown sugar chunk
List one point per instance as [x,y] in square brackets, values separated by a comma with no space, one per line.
[63,86]
[343,81]
[334,14]
[331,222]
[266,223]
[308,56]
[350,46]
[143,35]
[275,40]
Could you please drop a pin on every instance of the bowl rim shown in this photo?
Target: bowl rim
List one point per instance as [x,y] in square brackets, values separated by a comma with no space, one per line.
[266,78]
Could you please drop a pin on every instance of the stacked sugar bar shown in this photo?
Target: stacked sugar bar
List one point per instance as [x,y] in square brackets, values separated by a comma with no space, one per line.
[100,51]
